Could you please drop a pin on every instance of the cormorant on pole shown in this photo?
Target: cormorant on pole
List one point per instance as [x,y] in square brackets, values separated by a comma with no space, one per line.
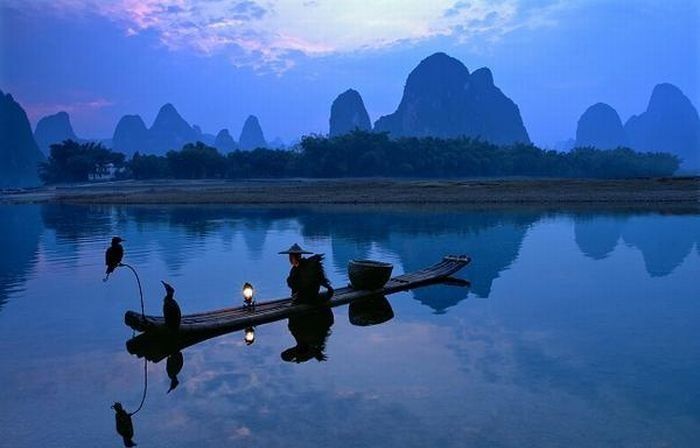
[171,310]
[113,256]
[124,426]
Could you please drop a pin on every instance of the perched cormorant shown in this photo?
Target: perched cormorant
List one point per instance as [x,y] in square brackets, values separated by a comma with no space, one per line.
[124,426]
[113,256]
[171,310]
[173,366]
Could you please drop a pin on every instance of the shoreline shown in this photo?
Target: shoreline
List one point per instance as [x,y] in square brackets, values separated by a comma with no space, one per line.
[650,193]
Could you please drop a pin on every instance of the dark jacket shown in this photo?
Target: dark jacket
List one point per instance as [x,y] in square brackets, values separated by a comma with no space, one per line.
[306,280]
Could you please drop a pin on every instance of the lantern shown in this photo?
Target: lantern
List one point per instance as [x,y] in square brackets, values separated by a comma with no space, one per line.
[248,294]
[249,335]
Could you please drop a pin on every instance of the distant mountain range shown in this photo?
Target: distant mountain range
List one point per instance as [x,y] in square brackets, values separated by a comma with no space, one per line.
[669,124]
[441,98]
[170,131]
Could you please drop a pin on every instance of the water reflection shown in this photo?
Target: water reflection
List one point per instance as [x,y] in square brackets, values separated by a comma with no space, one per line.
[597,236]
[370,311]
[310,332]
[551,359]
[663,240]
[124,425]
[173,366]
[491,238]
[20,232]
[413,236]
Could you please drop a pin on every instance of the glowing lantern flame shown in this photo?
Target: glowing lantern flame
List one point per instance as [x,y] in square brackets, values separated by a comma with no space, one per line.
[249,336]
[248,294]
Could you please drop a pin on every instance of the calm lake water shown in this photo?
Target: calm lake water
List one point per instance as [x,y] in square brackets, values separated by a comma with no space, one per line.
[578,330]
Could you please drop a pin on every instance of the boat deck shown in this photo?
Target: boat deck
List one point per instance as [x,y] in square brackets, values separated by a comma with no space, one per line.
[238,318]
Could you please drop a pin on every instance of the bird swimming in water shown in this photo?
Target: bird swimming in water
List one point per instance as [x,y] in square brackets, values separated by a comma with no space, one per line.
[113,256]
[124,426]
[173,366]
[171,310]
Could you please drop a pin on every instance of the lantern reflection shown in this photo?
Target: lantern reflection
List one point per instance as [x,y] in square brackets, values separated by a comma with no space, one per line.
[249,335]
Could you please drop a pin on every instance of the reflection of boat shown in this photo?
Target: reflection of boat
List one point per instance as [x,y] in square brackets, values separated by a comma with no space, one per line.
[232,319]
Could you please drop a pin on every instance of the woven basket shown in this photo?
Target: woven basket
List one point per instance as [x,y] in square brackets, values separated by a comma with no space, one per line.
[368,274]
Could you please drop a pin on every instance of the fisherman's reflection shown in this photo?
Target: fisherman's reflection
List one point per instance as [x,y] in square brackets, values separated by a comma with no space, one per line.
[310,332]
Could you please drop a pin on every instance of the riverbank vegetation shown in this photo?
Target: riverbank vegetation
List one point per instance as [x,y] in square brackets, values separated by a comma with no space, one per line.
[358,154]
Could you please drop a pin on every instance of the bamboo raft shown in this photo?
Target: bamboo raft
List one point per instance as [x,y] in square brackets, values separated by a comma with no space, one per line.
[232,319]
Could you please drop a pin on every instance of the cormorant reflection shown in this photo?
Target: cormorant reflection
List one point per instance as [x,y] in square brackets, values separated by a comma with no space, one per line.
[370,311]
[173,366]
[125,428]
[310,332]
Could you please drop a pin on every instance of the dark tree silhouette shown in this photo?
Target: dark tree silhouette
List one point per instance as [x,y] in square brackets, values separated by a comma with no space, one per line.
[362,154]
[71,161]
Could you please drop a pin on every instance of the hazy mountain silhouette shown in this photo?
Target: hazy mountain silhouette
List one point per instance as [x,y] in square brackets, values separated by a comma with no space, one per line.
[170,131]
[600,127]
[277,143]
[224,142]
[19,153]
[251,135]
[442,99]
[53,129]
[130,135]
[348,113]
[669,124]
[207,139]
[564,145]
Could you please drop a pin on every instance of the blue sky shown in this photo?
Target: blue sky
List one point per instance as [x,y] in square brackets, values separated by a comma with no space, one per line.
[285,60]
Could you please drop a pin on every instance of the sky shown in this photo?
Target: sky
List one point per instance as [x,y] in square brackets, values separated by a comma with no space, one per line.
[217,61]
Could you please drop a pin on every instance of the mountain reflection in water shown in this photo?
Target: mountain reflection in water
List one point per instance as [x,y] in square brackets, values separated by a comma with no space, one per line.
[178,234]
[575,323]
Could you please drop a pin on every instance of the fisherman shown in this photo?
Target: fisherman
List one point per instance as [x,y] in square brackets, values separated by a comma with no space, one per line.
[307,276]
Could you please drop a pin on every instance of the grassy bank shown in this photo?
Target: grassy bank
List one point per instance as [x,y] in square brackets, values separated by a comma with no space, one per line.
[681,191]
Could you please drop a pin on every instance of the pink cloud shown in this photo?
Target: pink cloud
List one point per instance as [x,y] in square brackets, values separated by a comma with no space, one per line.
[37,110]
[270,34]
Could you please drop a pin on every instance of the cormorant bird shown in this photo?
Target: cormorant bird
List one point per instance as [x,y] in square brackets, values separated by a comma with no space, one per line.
[124,426]
[173,366]
[171,310]
[113,256]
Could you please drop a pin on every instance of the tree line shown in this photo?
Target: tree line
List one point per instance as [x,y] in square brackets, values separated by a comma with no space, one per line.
[358,154]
